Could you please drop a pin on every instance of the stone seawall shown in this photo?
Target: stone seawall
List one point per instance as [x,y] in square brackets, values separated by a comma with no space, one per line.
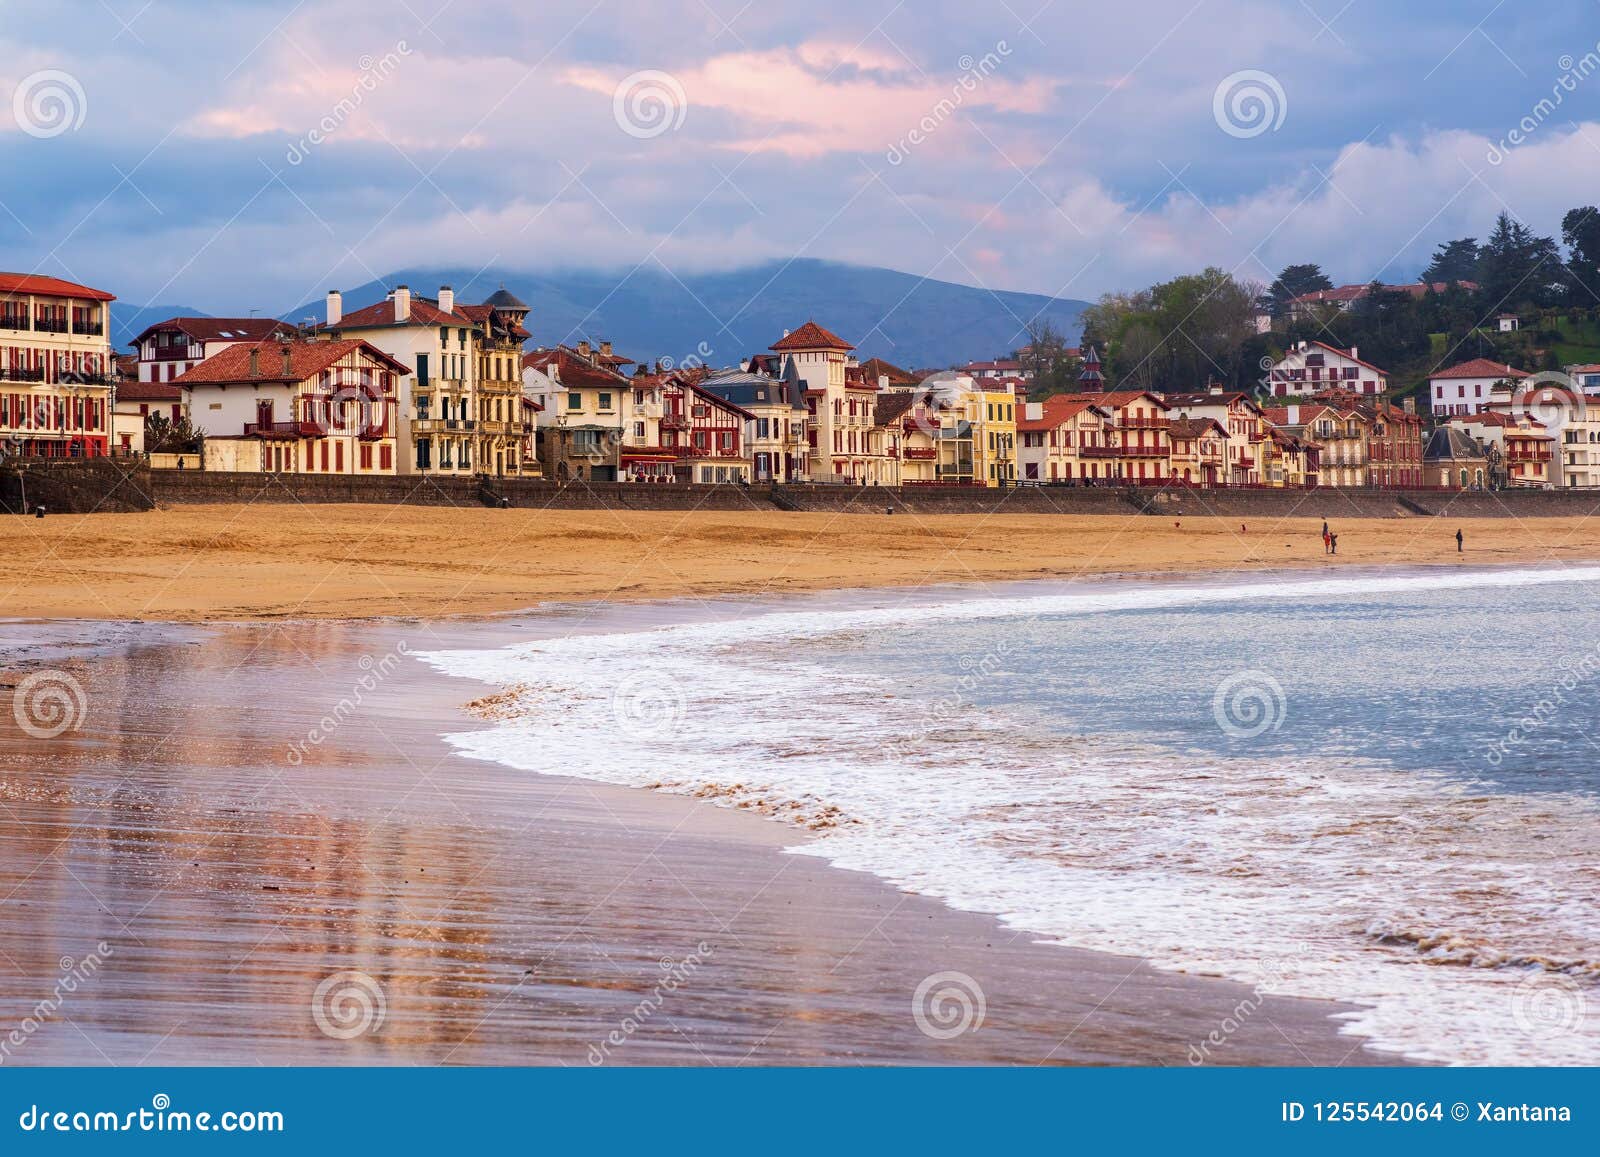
[75,485]
[171,487]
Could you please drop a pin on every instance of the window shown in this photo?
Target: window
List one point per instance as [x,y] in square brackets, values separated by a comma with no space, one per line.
[422,369]
[638,429]
[605,401]
[574,401]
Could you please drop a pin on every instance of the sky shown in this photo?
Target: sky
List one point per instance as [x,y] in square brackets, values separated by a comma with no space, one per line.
[251,154]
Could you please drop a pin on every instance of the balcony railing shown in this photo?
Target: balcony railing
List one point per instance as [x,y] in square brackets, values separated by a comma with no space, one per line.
[50,324]
[91,328]
[674,422]
[22,375]
[918,454]
[1097,451]
[284,429]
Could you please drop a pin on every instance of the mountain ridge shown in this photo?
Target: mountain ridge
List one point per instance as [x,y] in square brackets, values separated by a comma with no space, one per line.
[722,317]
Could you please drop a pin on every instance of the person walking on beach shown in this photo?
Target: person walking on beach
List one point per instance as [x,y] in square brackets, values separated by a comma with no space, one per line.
[1333,544]
[1327,540]
[1458,541]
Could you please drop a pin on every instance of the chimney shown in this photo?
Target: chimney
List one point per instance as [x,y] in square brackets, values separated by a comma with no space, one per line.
[1409,405]
[605,349]
[1216,389]
[255,361]
[335,307]
[1354,353]
[402,303]
[583,348]
[447,299]
[288,361]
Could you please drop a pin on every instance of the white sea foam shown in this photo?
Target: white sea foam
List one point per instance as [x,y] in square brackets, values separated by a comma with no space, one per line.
[1463,921]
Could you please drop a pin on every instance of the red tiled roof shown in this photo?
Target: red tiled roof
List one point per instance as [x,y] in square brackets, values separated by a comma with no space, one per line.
[877,367]
[1479,368]
[306,360]
[1056,411]
[137,391]
[423,312]
[810,336]
[222,328]
[572,368]
[1194,427]
[1348,356]
[49,287]
[1119,398]
[1353,292]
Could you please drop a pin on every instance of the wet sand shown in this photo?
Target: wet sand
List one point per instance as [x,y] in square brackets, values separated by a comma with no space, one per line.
[505,918]
[204,563]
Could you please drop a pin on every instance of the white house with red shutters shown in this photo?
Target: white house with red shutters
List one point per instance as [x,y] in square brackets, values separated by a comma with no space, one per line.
[169,349]
[1467,387]
[1313,366]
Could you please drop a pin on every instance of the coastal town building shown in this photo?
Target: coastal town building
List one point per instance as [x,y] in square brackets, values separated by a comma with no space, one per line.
[708,431]
[505,427]
[1313,366]
[136,403]
[1138,434]
[1454,460]
[1244,422]
[1394,438]
[1199,451]
[919,417]
[308,407]
[1521,450]
[587,408]
[775,434]
[56,372]
[998,368]
[1322,303]
[995,440]
[168,349]
[845,442]
[1065,439]
[1467,387]
[1339,433]
[437,398]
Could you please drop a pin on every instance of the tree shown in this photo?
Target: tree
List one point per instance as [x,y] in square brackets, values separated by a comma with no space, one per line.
[1048,356]
[1293,282]
[1580,230]
[1518,268]
[1453,261]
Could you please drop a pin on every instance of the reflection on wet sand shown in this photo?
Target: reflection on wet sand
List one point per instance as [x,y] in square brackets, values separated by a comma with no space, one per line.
[501,918]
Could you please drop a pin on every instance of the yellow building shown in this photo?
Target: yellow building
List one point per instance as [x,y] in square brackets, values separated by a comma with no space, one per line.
[55,367]
[995,440]
[504,428]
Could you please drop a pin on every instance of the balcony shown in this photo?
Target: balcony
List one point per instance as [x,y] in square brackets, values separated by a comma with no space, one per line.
[1098,451]
[50,325]
[920,454]
[1144,423]
[674,422]
[283,430]
[14,321]
[22,375]
[373,433]
[88,328]
[174,353]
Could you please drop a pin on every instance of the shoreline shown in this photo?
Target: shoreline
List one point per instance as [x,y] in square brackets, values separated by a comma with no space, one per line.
[510,918]
[276,563]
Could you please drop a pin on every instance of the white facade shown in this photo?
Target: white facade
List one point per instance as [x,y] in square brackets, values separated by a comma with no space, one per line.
[1313,366]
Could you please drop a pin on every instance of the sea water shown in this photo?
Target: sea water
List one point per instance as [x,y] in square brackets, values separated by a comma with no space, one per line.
[1378,788]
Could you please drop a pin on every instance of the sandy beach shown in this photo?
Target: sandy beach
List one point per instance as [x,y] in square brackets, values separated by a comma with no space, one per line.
[262,562]
[507,918]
